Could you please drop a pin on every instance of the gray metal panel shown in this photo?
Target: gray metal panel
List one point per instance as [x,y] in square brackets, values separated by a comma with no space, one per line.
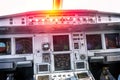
[12,59]
[6,65]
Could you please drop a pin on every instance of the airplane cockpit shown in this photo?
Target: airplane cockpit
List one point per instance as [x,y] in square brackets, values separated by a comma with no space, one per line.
[60,45]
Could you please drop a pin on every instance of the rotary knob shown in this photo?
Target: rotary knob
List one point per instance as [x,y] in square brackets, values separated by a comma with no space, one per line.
[82,57]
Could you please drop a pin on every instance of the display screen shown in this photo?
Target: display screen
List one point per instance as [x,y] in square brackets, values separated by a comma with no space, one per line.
[94,41]
[46,57]
[76,45]
[80,65]
[82,75]
[112,40]
[61,42]
[45,77]
[62,62]
[23,45]
[43,67]
[5,46]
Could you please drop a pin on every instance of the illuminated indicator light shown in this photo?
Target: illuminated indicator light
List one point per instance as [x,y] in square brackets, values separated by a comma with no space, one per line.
[30,20]
[36,20]
[43,20]
[56,19]
[70,19]
[74,19]
[51,19]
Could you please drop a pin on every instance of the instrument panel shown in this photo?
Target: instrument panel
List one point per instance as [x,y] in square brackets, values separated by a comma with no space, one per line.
[61,53]
[59,45]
